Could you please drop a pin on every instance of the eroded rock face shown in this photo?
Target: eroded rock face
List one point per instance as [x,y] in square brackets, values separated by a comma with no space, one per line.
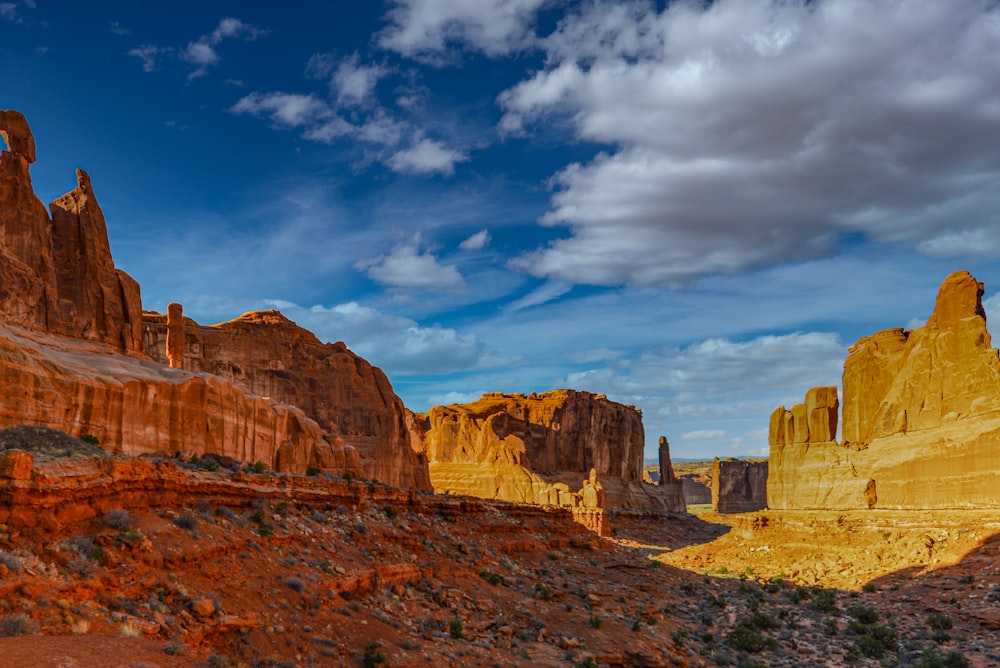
[537,448]
[57,275]
[738,486]
[135,406]
[921,419]
[267,354]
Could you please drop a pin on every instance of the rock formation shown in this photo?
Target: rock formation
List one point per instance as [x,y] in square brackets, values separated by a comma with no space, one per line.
[175,336]
[67,315]
[738,486]
[57,275]
[267,354]
[534,448]
[921,417]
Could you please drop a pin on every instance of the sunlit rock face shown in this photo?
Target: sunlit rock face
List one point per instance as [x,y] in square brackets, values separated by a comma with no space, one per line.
[267,354]
[538,448]
[921,419]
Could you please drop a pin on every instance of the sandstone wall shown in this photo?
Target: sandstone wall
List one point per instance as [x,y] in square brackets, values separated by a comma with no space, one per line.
[739,486]
[267,354]
[135,406]
[921,419]
[537,448]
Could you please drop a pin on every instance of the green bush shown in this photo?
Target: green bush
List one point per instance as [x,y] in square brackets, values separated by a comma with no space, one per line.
[373,655]
[455,629]
[91,439]
[18,625]
[492,578]
[749,640]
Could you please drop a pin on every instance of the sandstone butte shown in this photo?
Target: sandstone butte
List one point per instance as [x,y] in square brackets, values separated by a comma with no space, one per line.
[739,486]
[539,448]
[73,355]
[921,419]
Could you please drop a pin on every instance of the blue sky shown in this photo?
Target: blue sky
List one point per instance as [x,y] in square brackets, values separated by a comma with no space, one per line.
[693,209]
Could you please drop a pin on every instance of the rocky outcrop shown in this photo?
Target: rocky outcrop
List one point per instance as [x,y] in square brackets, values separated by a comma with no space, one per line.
[921,419]
[739,486]
[57,275]
[267,354]
[537,448]
[134,406]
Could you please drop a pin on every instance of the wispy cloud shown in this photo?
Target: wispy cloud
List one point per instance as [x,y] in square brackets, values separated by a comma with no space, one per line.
[202,52]
[476,242]
[427,29]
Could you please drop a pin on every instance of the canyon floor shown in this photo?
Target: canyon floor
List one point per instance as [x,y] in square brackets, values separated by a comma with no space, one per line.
[245,568]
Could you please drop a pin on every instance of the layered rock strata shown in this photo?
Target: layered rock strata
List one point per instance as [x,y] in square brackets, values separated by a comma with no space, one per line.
[537,448]
[921,419]
[267,354]
[739,486]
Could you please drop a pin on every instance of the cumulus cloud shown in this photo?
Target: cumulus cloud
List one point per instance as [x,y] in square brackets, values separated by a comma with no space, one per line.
[744,134]
[352,83]
[477,241]
[408,266]
[426,29]
[426,156]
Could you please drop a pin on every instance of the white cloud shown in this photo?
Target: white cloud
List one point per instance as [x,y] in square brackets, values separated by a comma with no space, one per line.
[426,156]
[119,29]
[398,345]
[425,29]
[541,295]
[743,134]
[477,241]
[284,109]
[354,83]
[202,52]
[704,434]
[407,266]
[8,10]
[992,307]
[147,54]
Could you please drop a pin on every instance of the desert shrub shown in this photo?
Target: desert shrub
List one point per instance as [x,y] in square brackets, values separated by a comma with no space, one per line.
[218,661]
[119,519]
[717,601]
[586,662]
[931,658]
[799,594]
[759,621]
[90,439]
[11,561]
[295,584]
[259,467]
[543,592]
[874,641]
[186,521]
[863,614]
[594,622]
[455,629]
[373,655]
[18,625]
[824,600]
[746,639]
[938,621]
[81,566]
[226,513]
[390,512]
[492,578]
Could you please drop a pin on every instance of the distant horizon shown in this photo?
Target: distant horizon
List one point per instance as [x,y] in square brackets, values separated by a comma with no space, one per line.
[691,208]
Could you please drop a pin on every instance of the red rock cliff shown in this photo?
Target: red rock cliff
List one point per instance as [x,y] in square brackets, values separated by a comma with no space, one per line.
[267,354]
[71,345]
[517,448]
[921,419]
[738,486]
[58,275]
